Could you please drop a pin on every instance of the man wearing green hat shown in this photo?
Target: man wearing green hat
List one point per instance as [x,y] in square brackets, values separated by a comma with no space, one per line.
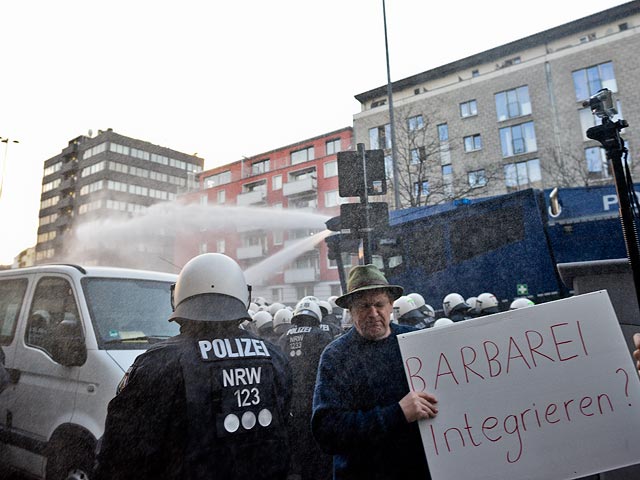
[363,411]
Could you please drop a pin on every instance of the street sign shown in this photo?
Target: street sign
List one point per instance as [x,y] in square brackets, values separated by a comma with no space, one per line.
[351,171]
[354,215]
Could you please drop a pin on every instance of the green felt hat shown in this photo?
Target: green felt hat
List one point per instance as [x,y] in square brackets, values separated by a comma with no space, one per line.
[366,277]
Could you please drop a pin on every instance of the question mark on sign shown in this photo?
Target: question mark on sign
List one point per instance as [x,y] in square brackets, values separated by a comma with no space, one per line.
[626,381]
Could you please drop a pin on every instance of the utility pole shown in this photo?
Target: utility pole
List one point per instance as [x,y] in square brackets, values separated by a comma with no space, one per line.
[394,151]
[6,142]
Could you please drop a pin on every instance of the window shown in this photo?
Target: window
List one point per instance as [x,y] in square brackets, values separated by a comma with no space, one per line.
[332,199]
[121,149]
[276,182]
[589,80]
[51,185]
[217,179]
[380,137]
[513,103]
[472,143]
[417,155]
[443,136]
[468,109]
[332,146]
[477,178]
[421,189]
[277,294]
[518,176]
[278,237]
[11,296]
[331,169]
[415,123]
[220,245]
[304,291]
[518,139]
[221,197]
[443,132]
[388,166]
[597,165]
[303,155]
[52,168]
[260,167]
[203,248]
[53,303]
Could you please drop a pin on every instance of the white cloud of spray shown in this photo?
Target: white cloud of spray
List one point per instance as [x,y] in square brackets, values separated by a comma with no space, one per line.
[149,230]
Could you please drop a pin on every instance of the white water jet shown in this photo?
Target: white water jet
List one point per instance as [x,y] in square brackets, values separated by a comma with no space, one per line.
[263,270]
[151,229]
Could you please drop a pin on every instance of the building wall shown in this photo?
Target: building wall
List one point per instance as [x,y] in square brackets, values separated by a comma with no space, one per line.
[106,176]
[544,63]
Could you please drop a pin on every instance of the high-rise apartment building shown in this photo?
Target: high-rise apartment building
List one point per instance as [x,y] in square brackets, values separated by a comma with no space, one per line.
[264,206]
[105,176]
[511,117]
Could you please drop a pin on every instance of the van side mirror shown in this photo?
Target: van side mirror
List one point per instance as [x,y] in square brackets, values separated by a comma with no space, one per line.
[67,344]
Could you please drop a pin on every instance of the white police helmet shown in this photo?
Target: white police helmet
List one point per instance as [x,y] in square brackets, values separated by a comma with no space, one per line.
[442,322]
[487,303]
[403,305]
[332,301]
[521,303]
[473,305]
[417,299]
[206,276]
[454,301]
[282,316]
[274,307]
[428,310]
[308,298]
[307,308]
[263,320]
[325,307]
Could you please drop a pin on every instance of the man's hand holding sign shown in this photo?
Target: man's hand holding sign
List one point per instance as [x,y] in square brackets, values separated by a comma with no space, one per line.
[536,393]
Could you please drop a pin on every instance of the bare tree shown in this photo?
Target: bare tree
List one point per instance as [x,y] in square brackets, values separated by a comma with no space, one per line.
[421,164]
[570,168]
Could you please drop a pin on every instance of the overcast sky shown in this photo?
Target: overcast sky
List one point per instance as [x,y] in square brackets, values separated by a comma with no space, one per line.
[220,79]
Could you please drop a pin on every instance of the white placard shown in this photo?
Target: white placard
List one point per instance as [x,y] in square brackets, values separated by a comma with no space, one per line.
[543,392]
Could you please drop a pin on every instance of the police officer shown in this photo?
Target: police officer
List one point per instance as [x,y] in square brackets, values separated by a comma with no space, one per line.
[303,344]
[455,307]
[487,304]
[406,312]
[329,322]
[210,402]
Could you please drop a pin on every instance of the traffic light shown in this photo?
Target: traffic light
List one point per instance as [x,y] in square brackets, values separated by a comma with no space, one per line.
[351,172]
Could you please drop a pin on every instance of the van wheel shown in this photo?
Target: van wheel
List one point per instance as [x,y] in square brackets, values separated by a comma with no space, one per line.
[70,464]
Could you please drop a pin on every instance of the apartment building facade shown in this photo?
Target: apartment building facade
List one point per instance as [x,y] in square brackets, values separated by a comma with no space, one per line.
[107,176]
[273,201]
[511,117]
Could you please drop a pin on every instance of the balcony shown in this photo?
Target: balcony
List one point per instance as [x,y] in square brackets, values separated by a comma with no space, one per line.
[68,184]
[251,198]
[70,149]
[69,167]
[65,203]
[252,251]
[301,275]
[299,187]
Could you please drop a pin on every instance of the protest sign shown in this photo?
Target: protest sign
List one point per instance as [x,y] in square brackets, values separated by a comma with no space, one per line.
[543,392]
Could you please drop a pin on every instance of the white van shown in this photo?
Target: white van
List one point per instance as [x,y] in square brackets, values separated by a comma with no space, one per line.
[68,334]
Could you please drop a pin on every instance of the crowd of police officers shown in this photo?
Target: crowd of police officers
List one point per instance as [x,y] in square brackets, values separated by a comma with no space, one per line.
[231,395]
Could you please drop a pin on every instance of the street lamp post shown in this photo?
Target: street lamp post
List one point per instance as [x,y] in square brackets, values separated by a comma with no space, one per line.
[394,152]
[6,142]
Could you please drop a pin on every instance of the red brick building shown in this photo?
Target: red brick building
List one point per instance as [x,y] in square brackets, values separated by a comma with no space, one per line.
[265,205]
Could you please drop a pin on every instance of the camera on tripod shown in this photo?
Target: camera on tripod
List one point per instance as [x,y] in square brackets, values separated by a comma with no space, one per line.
[601,104]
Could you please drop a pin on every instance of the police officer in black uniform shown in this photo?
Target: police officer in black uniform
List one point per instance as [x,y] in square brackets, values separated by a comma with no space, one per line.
[211,402]
[303,344]
[329,321]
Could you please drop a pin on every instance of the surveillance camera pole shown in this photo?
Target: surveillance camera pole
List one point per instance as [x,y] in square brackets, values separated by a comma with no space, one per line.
[608,134]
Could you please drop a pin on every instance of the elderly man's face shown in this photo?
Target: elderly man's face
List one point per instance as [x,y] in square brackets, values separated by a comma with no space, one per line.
[371,314]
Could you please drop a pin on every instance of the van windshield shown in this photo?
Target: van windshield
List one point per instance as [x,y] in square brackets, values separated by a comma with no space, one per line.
[129,313]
